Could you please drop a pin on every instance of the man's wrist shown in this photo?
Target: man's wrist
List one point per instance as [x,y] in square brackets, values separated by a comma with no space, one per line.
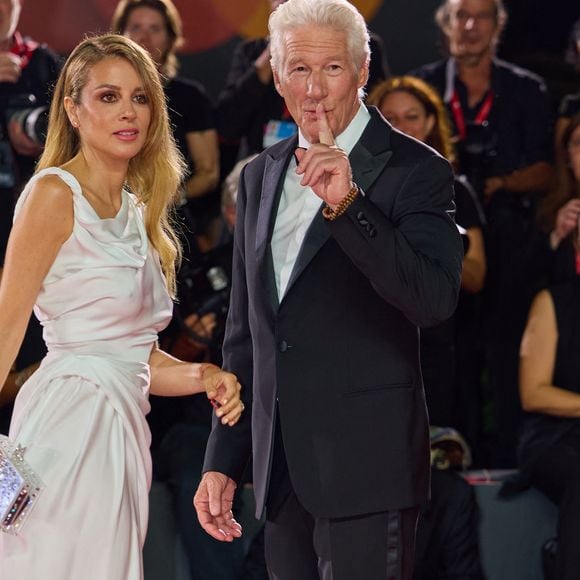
[331,214]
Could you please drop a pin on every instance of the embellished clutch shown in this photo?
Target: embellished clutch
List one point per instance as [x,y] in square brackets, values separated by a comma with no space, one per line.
[19,487]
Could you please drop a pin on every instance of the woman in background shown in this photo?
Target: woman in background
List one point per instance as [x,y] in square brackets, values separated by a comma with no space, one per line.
[157,27]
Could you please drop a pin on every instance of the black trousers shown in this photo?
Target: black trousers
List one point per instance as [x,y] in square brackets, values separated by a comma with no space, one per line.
[557,474]
[300,546]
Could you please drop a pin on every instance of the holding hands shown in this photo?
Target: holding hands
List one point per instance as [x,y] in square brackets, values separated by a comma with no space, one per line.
[223,391]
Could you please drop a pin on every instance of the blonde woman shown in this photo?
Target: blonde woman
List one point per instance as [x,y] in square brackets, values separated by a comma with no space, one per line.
[93,251]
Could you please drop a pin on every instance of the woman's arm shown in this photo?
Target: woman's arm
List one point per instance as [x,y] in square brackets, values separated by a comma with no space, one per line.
[203,150]
[44,223]
[474,264]
[171,377]
[537,361]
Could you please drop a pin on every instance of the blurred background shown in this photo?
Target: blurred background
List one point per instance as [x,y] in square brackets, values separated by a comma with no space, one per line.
[536,34]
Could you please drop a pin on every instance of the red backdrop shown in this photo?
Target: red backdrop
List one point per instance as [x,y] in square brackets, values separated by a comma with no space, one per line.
[207,23]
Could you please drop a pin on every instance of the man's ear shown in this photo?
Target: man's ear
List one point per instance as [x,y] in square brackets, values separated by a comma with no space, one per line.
[277,83]
[363,75]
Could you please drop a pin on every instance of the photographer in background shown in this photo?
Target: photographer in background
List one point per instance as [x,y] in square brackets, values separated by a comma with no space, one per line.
[503,125]
[28,71]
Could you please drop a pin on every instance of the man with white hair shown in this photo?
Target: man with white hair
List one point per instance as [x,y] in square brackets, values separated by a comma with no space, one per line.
[344,246]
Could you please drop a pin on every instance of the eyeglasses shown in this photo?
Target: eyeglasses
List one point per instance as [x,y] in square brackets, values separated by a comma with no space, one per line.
[462,17]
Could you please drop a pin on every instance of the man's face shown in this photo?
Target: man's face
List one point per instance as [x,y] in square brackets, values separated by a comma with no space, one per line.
[317,68]
[9,15]
[472,29]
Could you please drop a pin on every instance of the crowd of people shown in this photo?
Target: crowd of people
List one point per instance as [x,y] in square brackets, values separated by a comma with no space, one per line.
[458,216]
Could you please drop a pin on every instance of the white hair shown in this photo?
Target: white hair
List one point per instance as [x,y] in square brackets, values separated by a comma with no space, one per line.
[338,14]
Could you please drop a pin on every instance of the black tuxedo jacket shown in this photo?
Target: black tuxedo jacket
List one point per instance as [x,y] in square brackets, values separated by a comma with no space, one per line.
[339,354]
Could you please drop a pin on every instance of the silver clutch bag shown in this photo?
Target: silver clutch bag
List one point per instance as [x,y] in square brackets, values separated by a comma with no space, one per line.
[19,487]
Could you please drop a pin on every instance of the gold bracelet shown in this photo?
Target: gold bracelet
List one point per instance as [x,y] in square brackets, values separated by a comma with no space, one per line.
[331,214]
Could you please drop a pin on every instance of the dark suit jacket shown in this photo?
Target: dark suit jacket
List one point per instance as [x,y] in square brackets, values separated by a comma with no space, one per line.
[340,352]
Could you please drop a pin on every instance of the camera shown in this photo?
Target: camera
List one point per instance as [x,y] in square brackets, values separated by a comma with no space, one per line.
[203,287]
[477,153]
[29,115]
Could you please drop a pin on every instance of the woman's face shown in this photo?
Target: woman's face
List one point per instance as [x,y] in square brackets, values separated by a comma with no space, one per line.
[574,153]
[147,27]
[114,113]
[407,114]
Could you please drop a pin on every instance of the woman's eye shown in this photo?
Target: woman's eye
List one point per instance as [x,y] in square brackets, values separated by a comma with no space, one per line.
[142,99]
[108,97]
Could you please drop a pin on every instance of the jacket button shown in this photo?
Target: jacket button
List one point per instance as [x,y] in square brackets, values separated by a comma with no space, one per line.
[282,346]
[362,218]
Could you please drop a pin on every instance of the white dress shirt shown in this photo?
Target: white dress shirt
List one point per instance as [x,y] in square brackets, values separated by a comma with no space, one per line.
[298,205]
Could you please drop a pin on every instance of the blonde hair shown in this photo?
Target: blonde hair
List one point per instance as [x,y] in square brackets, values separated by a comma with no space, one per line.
[156,172]
[440,137]
[173,25]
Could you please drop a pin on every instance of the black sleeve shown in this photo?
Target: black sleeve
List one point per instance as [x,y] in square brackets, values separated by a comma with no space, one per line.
[243,95]
[537,113]
[569,106]
[378,67]
[469,213]
[191,105]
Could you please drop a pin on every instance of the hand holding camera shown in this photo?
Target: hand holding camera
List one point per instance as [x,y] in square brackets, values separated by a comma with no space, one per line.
[10,67]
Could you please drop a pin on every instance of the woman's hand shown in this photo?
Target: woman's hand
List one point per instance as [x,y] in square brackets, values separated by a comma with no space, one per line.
[566,221]
[223,391]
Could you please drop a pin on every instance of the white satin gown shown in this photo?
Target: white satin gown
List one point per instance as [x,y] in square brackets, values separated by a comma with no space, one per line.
[81,416]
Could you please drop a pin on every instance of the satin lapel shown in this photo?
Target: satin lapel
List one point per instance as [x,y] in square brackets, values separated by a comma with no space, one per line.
[367,159]
[373,151]
[272,185]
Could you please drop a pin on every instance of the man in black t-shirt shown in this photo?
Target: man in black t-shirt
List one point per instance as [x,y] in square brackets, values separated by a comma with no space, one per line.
[502,119]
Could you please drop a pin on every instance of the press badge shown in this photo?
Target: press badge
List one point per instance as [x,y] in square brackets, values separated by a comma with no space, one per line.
[277,131]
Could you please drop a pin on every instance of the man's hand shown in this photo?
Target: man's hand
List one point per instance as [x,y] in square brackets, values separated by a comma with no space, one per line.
[10,68]
[325,167]
[213,503]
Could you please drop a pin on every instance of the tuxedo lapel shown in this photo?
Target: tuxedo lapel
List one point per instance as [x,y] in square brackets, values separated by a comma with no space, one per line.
[372,152]
[272,185]
[367,159]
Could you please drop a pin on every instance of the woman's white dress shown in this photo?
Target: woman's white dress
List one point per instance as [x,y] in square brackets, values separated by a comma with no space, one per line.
[81,416]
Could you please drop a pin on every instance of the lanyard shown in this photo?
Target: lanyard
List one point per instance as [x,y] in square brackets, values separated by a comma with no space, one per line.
[23,48]
[459,117]
[452,98]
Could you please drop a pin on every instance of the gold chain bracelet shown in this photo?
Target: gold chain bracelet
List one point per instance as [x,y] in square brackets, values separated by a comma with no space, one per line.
[331,214]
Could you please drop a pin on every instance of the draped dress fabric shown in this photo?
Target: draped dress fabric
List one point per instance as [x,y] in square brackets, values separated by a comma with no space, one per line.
[81,416]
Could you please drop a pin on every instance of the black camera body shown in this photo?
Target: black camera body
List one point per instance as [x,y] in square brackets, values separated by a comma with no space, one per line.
[203,287]
[31,116]
[477,154]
